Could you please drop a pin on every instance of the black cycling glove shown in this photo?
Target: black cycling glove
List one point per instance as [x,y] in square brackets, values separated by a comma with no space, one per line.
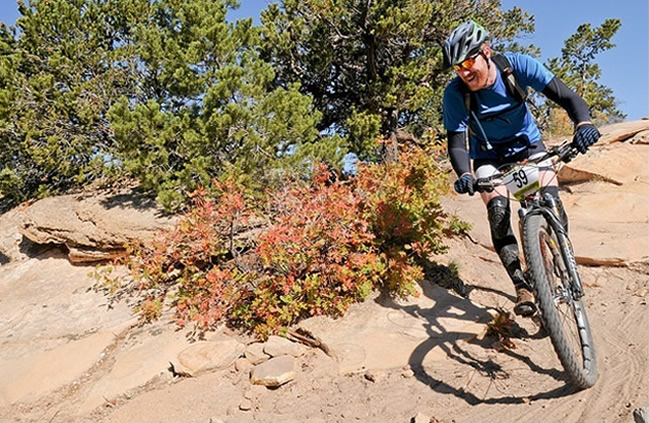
[465,184]
[585,136]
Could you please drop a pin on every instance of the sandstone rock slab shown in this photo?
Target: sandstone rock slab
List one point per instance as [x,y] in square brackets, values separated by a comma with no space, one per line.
[275,372]
[30,376]
[10,238]
[255,353]
[386,336]
[622,131]
[605,196]
[93,227]
[276,346]
[208,356]
[53,329]
[144,355]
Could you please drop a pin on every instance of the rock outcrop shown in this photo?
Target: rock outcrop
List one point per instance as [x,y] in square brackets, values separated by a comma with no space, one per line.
[606,197]
[93,227]
[10,238]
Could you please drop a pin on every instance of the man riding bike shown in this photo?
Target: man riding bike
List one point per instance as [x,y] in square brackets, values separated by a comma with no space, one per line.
[485,104]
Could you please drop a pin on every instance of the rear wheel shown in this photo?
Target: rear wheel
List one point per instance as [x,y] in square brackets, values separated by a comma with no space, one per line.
[564,317]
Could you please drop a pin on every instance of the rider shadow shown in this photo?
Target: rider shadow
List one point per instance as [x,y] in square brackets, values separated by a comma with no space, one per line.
[494,291]
[448,305]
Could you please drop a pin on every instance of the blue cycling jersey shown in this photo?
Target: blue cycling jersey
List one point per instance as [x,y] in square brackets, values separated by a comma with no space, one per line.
[507,124]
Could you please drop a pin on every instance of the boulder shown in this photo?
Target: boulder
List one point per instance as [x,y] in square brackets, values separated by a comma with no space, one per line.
[255,353]
[208,356]
[275,372]
[94,227]
[276,346]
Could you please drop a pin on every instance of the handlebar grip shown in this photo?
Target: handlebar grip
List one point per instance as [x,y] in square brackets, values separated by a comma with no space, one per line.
[566,152]
[569,156]
[482,185]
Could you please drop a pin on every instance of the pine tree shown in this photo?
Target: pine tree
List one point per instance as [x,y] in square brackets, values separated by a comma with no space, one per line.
[57,81]
[374,67]
[578,70]
[206,104]
[166,91]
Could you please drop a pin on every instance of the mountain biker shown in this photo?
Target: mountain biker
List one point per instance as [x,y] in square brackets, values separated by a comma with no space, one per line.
[480,105]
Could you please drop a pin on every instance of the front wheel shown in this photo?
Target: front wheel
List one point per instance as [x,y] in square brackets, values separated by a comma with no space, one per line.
[564,315]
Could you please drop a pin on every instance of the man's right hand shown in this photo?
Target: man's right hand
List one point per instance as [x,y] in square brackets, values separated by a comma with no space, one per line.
[465,184]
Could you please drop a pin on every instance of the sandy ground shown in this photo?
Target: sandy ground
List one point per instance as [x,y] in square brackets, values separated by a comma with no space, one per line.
[437,363]
[473,382]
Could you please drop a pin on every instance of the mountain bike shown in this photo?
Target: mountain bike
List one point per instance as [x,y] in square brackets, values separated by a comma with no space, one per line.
[551,269]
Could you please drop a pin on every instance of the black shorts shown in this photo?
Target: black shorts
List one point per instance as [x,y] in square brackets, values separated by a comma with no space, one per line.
[537,147]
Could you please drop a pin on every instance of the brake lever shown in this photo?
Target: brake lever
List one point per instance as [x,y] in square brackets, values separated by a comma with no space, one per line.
[571,155]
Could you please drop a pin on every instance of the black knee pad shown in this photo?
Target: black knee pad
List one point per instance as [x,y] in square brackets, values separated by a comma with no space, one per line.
[509,256]
[503,238]
[499,217]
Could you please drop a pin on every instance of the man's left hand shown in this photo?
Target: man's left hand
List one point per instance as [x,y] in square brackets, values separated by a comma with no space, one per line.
[585,136]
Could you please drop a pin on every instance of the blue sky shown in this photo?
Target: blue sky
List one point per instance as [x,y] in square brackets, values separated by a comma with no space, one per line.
[625,68]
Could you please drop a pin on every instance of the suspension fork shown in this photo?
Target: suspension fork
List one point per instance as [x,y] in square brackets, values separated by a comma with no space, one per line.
[569,257]
[523,212]
[565,246]
[551,213]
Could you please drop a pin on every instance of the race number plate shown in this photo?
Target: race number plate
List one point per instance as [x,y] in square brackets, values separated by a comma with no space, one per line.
[522,180]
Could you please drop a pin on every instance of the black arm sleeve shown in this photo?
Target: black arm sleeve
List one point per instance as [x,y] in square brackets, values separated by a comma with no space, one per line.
[457,152]
[576,107]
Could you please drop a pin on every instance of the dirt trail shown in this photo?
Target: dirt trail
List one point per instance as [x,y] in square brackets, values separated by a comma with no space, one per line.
[472,383]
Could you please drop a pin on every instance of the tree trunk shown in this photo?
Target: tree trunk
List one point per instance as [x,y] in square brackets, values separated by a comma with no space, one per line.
[391,146]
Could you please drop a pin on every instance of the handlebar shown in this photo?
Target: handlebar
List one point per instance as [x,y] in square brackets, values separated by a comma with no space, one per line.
[563,153]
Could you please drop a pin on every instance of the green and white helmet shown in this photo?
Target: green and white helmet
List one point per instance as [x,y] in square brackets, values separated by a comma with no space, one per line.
[464,41]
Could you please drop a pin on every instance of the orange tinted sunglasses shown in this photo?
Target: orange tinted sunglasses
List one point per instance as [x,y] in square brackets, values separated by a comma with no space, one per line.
[468,63]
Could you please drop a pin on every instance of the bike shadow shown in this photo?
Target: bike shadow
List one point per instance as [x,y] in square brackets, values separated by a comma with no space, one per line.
[457,345]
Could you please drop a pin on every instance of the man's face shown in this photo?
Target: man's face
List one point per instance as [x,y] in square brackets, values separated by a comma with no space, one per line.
[474,70]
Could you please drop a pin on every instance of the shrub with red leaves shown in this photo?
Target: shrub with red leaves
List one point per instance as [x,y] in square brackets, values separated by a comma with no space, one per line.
[328,244]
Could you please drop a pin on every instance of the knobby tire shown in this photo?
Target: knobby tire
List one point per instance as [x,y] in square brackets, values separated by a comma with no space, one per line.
[563,316]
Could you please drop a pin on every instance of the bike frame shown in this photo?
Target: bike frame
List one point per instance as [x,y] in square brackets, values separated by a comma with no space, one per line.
[536,204]
[549,256]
